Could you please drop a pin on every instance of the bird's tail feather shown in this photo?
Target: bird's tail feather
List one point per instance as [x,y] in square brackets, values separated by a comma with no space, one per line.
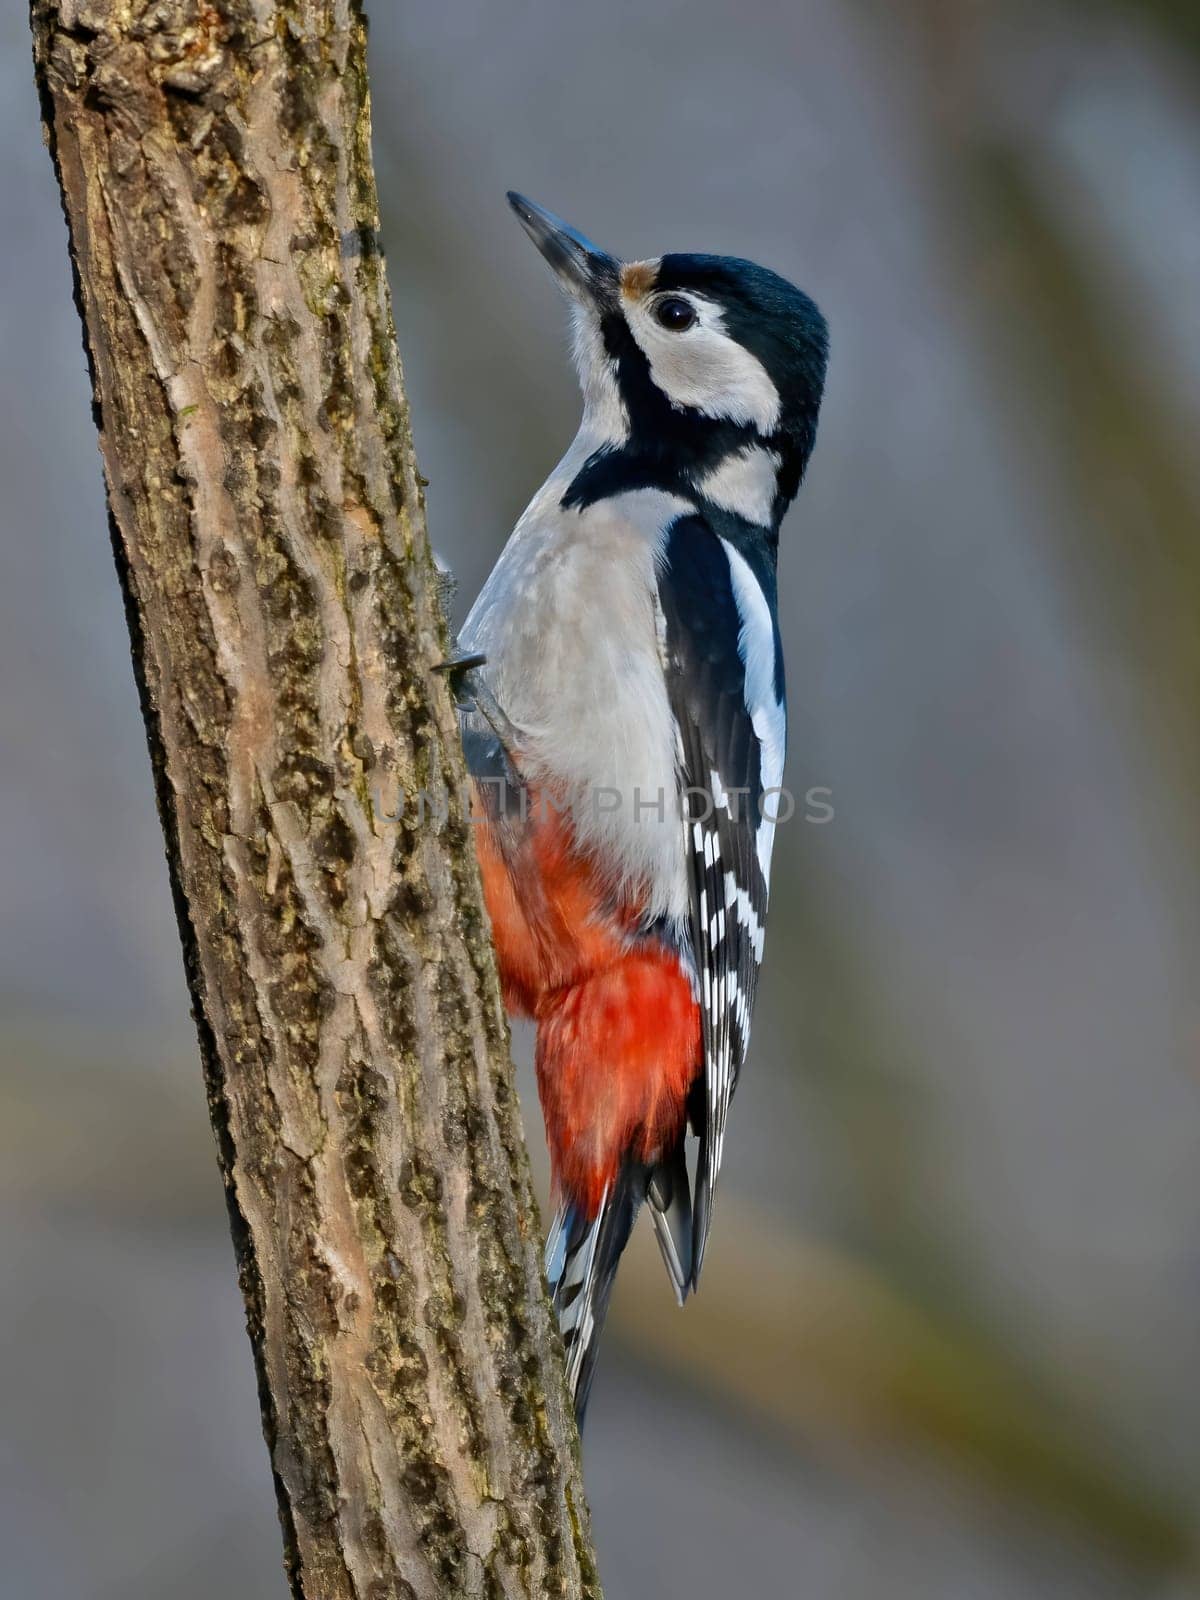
[581,1264]
[669,1195]
[582,1256]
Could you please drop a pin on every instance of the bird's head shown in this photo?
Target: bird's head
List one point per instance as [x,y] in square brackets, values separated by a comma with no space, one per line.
[698,372]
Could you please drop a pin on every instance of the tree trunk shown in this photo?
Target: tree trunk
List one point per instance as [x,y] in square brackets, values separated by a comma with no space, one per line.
[268,523]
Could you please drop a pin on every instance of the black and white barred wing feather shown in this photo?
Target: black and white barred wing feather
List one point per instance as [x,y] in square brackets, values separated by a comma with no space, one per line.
[725,676]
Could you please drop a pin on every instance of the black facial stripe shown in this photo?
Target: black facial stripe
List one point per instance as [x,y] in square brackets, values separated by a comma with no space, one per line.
[656,421]
[652,463]
[670,447]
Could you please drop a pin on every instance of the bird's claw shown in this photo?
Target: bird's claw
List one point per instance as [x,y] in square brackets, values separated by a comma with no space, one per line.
[474,699]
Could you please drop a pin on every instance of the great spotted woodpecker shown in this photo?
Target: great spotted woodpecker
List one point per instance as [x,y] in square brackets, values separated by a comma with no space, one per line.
[626,736]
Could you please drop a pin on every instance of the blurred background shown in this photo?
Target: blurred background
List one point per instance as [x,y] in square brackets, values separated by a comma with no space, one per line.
[947,1342]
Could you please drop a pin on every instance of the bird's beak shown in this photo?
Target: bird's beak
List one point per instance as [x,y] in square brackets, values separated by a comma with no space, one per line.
[583,269]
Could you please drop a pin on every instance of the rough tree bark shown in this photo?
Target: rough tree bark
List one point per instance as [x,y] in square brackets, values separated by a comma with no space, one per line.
[268,523]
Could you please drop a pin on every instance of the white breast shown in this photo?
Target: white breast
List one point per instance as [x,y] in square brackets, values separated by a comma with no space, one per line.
[568,622]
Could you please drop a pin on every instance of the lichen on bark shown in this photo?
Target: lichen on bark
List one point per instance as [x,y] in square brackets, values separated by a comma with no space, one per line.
[268,525]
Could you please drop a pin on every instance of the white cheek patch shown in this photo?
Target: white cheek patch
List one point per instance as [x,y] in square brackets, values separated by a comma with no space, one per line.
[746,483]
[704,368]
[605,418]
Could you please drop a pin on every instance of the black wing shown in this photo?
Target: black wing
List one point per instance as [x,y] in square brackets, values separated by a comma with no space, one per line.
[725,679]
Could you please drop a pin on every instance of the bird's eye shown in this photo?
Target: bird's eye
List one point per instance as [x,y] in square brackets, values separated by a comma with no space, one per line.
[673,313]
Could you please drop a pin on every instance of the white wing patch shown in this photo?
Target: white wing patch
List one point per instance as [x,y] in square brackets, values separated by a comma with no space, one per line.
[757,648]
